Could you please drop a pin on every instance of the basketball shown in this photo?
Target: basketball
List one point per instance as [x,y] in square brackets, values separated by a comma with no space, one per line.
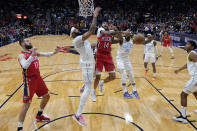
[138,38]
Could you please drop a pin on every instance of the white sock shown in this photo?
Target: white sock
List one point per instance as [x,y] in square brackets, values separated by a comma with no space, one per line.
[124,88]
[20,124]
[84,98]
[101,82]
[40,109]
[94,90]
[171,51]
[134,88]
[154,75]
[183,111]
[131,77]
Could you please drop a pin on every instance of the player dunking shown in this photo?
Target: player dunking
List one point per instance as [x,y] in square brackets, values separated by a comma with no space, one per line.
[191,86]
[167,42]
[104,57]
[87,63]
[124,65]
[149,54]
[33,83]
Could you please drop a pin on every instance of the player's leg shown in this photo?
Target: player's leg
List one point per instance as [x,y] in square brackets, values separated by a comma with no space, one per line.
[111,77]
[154,71]
[195,94]
[22,115]
[182,117]
[146,67]
[132,80]
[153,61]
[42,91]
[29,90]
[171,51]
[96,82]
[162,48]
[88,78]
[121,68]
[146,59]
[124,86]
[99,68]
[109,67]
[189,88]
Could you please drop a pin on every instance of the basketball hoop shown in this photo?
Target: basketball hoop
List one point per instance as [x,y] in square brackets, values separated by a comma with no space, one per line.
[86,8]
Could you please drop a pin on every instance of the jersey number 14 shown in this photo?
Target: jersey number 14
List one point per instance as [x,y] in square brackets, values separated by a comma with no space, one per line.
[106,45]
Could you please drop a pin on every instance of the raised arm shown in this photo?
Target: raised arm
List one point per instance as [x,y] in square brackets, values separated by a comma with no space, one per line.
[93,25]
[48,54]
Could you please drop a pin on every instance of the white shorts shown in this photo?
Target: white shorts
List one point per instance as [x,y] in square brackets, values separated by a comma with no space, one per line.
[191,85]
[123,63]
[88,72]
[149,58]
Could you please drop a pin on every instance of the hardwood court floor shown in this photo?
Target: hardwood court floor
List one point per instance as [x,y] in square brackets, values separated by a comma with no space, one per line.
[153,112]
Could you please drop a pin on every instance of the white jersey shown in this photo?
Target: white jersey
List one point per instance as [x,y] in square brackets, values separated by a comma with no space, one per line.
[191,66]
[124,50]
[149,48]
[85,50]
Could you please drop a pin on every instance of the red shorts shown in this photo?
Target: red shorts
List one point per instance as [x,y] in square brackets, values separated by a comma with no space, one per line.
[104,61]
[166,44]
[32,85]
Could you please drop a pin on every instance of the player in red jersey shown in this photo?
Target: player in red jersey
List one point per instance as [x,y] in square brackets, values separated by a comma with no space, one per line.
[33,83]
[167,42]
[103,55]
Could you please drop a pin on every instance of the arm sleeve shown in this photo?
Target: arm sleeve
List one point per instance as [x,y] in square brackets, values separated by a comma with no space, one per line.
[26,63]
[78,41]
[99,31]
[46,54]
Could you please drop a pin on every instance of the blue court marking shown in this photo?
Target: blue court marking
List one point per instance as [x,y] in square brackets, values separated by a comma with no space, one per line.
[137,126]
[23,84]
[11,96]
[158,90]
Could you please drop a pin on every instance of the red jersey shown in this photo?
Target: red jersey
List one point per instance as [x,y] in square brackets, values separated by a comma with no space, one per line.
[33,68]
[104,45]
[166,39]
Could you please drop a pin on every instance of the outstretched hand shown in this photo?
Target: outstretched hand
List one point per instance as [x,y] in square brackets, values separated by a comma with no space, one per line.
[34,51]
[58,49]
[176,71]
[96,11]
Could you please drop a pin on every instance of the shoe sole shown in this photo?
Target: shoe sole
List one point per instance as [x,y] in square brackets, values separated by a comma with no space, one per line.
[77,120]
[128,97]
[135,96]
[93,100]
[37,120]
[184,122]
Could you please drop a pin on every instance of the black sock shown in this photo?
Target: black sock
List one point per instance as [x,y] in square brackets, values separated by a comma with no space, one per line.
[19,128]
[39,113]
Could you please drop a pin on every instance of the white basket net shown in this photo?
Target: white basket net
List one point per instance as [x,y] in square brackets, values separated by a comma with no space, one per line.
[86,8]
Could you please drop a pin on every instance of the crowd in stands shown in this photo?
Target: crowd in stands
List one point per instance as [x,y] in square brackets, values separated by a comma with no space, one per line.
[41,17]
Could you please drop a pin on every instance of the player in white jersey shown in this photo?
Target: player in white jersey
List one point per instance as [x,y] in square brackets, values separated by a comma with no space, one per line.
[87,63]
[124,65]
[191,86]
[150,54]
